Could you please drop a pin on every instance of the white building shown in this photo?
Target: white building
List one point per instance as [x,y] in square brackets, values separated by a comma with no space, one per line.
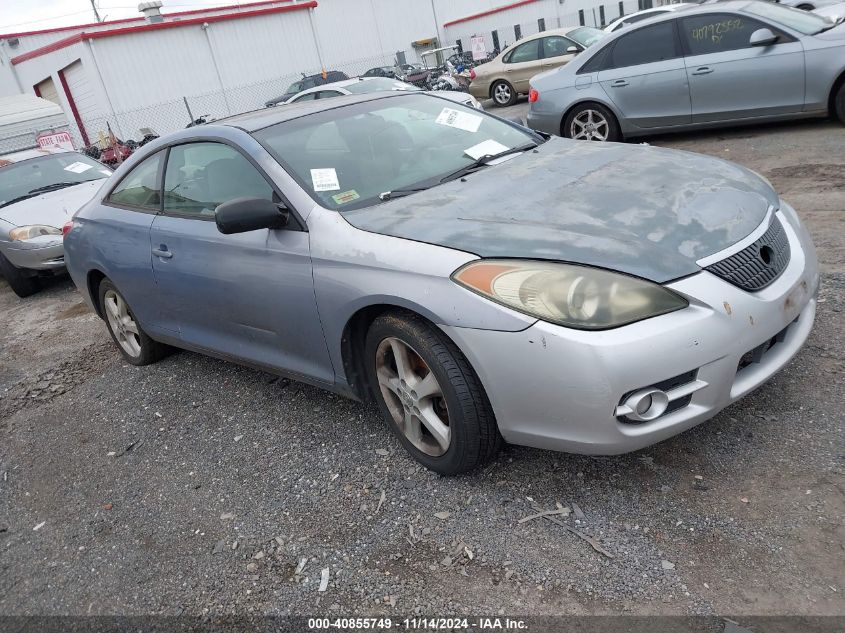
[140,72]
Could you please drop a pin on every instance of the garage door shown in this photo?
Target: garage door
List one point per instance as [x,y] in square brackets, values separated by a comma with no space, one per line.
[88,115]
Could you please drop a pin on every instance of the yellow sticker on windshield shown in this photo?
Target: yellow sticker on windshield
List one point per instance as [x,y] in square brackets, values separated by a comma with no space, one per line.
[346,196]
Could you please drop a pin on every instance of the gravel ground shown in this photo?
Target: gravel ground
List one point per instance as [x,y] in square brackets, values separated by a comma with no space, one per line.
[194,486]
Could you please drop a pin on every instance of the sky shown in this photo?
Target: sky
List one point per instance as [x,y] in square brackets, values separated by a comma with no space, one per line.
[34,15]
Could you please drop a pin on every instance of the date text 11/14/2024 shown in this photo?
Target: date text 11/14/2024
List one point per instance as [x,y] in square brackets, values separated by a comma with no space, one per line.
[417,624]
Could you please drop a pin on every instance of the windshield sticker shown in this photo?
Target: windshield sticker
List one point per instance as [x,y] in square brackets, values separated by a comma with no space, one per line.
[77,167]
[346,196]
[325,179]
[485,148]
[458,119]
[106,172]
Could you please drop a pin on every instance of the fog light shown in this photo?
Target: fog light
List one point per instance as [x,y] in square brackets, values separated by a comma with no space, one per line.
[646,404]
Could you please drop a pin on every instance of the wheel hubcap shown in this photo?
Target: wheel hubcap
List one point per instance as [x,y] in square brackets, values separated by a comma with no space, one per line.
[413,396]
[589,125]
[122,323]
[502,93]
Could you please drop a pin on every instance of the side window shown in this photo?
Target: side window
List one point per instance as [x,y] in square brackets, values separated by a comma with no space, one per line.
[597,62]
[309,97]
[717,32]
[528,52]
[328,94]
[201,176]
[556,46]
[645,45]
[140,187]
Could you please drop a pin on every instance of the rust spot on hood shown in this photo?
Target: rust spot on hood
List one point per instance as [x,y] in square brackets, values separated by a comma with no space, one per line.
[728,308]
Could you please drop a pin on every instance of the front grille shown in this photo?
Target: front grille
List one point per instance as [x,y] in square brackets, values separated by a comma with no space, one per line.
[754,356]
[758,264]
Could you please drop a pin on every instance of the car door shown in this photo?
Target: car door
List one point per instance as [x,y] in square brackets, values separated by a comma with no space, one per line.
[644,75]
[555,50]
[731,79]
[121,236]
[522,63]
[247,296]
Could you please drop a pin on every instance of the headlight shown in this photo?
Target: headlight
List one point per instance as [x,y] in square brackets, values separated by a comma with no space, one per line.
[573,296]
[28,232]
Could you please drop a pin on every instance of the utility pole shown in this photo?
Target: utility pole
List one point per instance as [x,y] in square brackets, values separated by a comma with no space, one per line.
[96,13]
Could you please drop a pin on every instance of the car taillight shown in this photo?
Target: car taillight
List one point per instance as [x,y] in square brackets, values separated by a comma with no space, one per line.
[472,73]
[533,95]
[66,227]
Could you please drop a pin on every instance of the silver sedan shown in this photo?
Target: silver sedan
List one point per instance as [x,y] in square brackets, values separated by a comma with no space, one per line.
[705,66]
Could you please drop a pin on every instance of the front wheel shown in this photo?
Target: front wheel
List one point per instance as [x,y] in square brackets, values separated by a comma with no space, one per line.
[839,103]
[503,94]
[591,122]
[429,394]
[134,344]
[22,283]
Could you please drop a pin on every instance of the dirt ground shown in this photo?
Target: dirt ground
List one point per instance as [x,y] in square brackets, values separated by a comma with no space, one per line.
[196,487]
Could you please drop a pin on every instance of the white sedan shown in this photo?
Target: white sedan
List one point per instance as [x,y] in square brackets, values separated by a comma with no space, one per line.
[361,85]
[625,20]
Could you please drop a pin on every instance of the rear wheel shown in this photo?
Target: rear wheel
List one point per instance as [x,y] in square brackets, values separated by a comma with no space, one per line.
[23,282]
[134,344]
[429,394]
[591,122]
[503,94]
[839,103]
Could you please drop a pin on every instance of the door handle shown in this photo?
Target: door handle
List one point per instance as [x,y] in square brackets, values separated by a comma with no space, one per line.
[619,83]
[162,252]
[703,70]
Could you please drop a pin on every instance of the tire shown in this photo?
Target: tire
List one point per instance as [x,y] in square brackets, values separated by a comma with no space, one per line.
[805,7]
[606,131]
[839,103]
[136,347]
[503,94]
[22,282]
[473,437]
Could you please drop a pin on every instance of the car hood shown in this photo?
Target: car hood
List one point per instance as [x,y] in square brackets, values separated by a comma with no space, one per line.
[52,208]
[637,209]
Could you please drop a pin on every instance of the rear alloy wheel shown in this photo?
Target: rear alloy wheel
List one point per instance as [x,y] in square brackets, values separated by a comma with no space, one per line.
[503,94]
[591,122]
[134,344]
[429,395]
[22,282]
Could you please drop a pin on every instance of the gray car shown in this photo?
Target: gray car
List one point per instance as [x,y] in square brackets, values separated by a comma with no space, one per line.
[475,280]
[40,190]
[706,66]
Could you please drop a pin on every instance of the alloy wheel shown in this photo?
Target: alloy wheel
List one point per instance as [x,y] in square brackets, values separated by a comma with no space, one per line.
[413,396]
[122,323]
[502,94]
[589,125]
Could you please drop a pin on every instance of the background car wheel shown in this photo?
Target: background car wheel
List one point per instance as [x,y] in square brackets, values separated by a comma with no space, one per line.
[503,94]
[23,284]
[839,103]
[429,394]
[806,7]
[134,344]
[591,122]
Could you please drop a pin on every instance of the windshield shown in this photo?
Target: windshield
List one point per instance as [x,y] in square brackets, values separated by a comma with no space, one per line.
[378,84]
[346,157]
[294,88]
[586,36]
[801,21]
[29,177]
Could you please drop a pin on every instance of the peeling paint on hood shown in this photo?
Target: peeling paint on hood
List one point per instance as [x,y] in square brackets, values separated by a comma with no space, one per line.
[637,209]
[52,208]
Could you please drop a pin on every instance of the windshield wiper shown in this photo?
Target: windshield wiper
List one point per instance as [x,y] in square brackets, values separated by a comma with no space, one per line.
[18,199]
[482,161]
[55,185]
[398,193]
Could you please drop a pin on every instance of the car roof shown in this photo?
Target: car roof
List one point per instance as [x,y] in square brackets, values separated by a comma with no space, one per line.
[686,8]
[26,154]
[265,117]
[337,85]
[561,31]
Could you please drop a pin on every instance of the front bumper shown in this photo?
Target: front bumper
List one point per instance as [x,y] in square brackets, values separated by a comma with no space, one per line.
[558,388]
[37,254]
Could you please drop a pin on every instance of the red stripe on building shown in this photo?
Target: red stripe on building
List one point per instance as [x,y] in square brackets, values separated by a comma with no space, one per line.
[58,29]
[157,26]
[475,16]
[73,109]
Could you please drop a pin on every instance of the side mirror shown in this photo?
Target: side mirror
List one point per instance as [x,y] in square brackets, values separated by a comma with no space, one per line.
[573,50]
[250,214]
[763,37]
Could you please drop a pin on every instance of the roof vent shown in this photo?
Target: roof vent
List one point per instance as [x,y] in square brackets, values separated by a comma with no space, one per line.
[151,11]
